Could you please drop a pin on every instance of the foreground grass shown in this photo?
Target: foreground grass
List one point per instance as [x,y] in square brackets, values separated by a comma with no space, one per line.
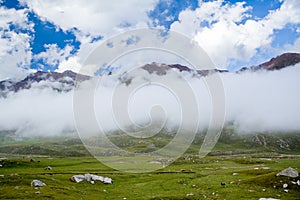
[187,178]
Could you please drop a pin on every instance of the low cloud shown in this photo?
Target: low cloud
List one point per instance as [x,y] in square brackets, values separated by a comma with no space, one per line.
[263,101]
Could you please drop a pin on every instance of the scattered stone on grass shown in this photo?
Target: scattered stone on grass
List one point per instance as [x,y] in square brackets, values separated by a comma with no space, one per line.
[235,174]
[77,178]
[289,172]
[91,178]
[37,183]
[48,168]
[267,199]
[189,194]
[284,186]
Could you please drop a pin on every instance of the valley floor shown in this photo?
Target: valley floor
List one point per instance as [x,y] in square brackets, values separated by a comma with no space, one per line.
[248,176]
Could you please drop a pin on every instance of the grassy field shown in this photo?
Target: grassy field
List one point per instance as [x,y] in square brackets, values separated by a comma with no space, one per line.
[248,171]
[187,178]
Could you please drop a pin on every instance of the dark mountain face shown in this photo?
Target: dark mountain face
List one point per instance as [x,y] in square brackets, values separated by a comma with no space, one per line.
[161,69]
[282,61]
[277,63]
[64,82]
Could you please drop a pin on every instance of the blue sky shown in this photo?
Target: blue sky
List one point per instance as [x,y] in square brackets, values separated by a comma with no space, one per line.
[42,40]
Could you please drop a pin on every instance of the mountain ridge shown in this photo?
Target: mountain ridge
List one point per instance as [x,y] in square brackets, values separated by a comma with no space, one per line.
[66,81]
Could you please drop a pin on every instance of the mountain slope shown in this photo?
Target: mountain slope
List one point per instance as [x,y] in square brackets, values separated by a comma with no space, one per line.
[61,82]
[65,82]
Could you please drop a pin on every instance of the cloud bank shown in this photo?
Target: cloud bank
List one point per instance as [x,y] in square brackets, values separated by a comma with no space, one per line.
[264,101]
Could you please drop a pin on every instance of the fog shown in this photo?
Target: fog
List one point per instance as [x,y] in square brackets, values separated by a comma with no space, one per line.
[263,101]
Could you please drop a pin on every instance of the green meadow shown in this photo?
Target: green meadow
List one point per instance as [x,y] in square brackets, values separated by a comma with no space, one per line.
[248,173]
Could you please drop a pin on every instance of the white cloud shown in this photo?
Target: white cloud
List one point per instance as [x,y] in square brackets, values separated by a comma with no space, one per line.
[94,17]
[255,102]
[72,63]
[37,112]
[14,46]
[53,55]
[294,47]
[231,33]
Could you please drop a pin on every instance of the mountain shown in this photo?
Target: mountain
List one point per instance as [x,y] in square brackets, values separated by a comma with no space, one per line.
[277,63]
[161,69]
[65,82]
[282,61]
[61,82]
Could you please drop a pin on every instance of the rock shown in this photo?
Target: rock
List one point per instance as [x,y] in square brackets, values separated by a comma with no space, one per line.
[223,184]
[284,186]
[88,177]
[107,180]
[265,168]
[1,175]
[289,172]
[14,174]
[267,199]
[0,165]
[286,190]
[298,182]
[91,178]
[190,195]
[48,168]
[77,178]
[97,178]
[235,174]
[37,183]
[37,192]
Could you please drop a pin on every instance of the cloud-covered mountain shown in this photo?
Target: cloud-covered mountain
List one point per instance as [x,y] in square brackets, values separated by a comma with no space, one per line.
[65,82]
[60,82]
[264,99]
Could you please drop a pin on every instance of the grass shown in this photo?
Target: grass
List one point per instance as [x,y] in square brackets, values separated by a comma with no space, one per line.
[189,177]
[184,179]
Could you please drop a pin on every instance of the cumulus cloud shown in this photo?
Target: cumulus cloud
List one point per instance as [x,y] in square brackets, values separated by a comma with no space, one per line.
[228,32]
[53,55]
[93,17]
[14,45]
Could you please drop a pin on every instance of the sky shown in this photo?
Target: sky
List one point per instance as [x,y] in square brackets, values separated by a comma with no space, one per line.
[58,35]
